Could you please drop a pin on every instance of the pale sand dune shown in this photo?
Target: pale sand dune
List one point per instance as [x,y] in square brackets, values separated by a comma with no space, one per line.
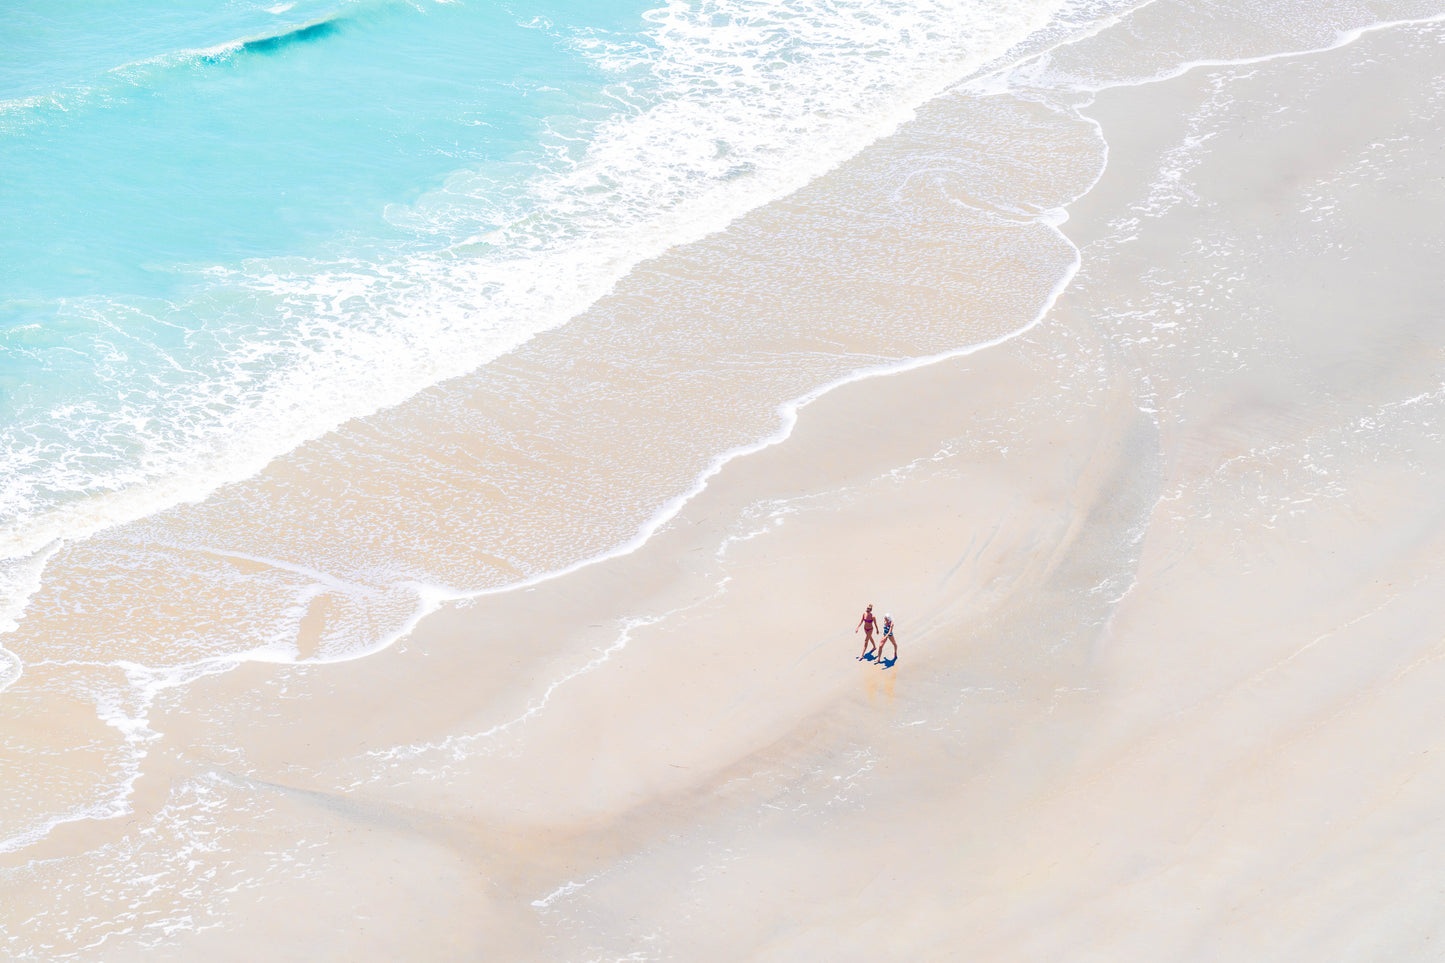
[1166,574]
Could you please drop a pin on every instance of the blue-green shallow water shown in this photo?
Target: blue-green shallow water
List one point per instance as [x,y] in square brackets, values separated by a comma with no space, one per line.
[210,138]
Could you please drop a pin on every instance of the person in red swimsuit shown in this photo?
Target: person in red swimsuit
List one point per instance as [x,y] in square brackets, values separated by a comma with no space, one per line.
[866,623]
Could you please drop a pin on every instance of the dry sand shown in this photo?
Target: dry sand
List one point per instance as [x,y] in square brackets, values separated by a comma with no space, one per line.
[1166,576]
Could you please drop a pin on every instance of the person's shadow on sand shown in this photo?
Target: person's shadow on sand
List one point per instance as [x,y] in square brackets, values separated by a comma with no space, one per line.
[885,663]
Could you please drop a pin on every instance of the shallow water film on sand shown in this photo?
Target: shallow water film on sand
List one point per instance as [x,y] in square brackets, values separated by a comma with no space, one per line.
[444,446]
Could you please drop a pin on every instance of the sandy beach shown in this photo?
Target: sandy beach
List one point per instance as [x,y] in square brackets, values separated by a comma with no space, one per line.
[1165,566]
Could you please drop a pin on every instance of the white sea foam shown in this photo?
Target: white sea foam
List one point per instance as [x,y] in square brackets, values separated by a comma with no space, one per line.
[561,892]
[20,578]
[11,669]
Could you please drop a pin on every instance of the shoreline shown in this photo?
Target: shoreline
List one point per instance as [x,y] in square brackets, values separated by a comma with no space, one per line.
[528,843]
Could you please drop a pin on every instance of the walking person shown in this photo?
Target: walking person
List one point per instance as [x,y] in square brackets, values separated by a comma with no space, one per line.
[887,637]
[866,623]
